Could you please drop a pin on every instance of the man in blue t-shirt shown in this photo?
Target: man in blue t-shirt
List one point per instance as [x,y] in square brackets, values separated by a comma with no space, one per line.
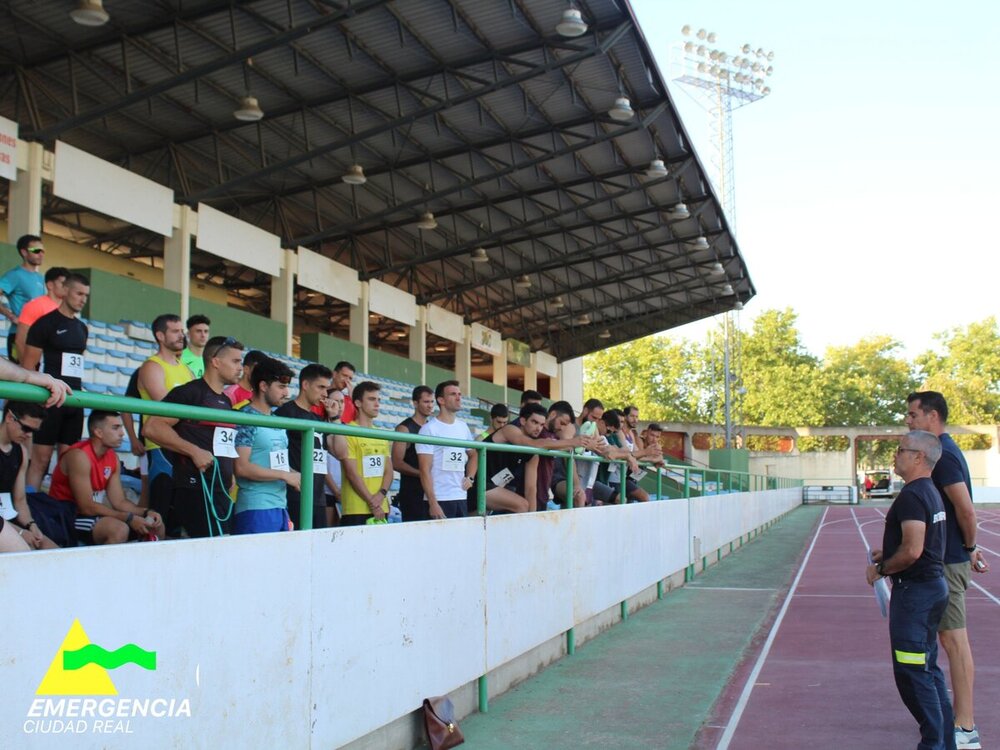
[928,410]
[22,284]
[912,555]
[262,469]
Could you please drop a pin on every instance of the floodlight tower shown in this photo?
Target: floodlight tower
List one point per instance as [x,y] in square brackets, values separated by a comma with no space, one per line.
[722,82]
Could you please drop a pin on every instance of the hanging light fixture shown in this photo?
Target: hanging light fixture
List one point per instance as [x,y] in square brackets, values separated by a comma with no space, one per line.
[699,244]
[572,24]
[558,302]
[90,13]
[727,289]
[479,256]
[583,320]
[717,269]
[738,305]
[522,281]
[427,221]
[680,211]
[355,175]
[249,110]
[657,169]
[605,334]
[622,111]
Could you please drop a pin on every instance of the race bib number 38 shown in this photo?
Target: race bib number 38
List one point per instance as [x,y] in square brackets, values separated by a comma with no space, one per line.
[372,466]
[224,442]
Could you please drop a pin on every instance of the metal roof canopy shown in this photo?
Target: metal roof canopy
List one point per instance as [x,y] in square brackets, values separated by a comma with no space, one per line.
[475,110]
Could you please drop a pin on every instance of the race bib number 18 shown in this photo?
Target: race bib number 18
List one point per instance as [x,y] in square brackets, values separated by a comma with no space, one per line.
[224,442]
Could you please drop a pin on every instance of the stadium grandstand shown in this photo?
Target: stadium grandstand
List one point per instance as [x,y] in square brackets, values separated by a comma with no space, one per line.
[430,190]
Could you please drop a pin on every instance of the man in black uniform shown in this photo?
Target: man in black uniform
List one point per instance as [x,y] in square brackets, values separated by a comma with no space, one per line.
[19,422]
[410,497]
[912,555]
[512,478]
[314,381]
[60,338]
[195,448]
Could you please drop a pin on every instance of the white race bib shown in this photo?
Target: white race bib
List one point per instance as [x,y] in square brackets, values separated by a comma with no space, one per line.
[502,478]
[72,365]
[279,460]
[101,497]
[454,459]
[224,442]
[637,475]
[372,466]
[613,473]
[7,509]
[319,457]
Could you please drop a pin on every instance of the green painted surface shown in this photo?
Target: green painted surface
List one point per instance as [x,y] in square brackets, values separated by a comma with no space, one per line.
[9,257]
[114,298]
[437,375]
[651,681]
[254,331]
[327,350]
[488,391]
[386,365]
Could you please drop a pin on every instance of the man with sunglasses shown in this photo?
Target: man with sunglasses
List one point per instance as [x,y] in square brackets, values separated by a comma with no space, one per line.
[19,423]
[22,283]
[202,452]
[59,340]
[263,473]
[912,555]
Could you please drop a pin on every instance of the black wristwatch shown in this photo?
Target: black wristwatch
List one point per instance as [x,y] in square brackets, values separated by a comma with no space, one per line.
[878,568]
[970,550]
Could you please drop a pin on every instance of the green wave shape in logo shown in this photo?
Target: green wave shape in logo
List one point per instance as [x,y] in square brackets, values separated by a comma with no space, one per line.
[94,654]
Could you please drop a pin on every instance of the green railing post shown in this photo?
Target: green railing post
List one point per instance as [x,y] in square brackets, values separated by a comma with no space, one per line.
[481,483]
[306,485]
[484,696]
[659,484]
[622,489]
[570,471]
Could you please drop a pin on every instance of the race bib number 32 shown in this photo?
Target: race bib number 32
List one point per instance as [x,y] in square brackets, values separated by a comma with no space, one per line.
[224,442]
[454,459]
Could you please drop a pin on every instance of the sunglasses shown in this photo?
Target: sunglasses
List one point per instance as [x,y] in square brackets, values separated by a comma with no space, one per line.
[36,250]
[230,341]
[24,428]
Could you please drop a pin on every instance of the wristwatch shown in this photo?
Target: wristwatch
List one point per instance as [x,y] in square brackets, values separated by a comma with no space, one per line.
[971,549]
[879,568]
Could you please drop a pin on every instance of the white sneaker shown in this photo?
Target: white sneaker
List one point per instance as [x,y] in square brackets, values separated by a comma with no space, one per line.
[967,740]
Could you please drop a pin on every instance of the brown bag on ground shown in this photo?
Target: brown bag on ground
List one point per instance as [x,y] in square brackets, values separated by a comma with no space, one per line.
[439,721]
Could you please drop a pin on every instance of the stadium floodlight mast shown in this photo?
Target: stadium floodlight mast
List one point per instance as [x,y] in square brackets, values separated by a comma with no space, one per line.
[720,82]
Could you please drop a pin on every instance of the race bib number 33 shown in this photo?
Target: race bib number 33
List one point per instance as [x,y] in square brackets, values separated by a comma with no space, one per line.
[72,365]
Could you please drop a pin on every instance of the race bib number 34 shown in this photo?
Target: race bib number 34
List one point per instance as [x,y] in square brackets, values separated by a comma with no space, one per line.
[224,442]
[372,466]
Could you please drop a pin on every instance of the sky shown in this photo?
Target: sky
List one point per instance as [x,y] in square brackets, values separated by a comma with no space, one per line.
[866,180]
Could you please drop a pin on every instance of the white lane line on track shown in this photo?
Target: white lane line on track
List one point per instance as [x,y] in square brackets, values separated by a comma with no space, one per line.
[741,704]
[724,588]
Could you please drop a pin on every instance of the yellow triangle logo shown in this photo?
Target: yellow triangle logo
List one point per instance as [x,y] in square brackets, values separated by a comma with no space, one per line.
[89,680]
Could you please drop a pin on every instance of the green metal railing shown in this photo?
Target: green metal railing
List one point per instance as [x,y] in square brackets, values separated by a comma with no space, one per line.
[724,481]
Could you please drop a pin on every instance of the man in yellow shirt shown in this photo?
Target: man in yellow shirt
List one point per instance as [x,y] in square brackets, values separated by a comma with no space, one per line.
[367,467]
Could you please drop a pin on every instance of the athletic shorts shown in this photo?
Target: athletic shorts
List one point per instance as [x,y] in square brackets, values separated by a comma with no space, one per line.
[55,518]
[957,576]
[62,425]
[84,526]
[262,521]
[158,464]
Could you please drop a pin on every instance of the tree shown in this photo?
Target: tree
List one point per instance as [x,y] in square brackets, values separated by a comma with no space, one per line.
[966,371]
[866,383]
[651,373]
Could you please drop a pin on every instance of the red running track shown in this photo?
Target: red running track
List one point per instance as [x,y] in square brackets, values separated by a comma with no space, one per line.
[823,679]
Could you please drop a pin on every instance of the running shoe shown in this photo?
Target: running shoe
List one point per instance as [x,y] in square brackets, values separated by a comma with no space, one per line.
[967,739]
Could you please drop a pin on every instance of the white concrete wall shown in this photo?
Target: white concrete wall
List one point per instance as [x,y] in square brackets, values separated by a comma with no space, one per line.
[313,639]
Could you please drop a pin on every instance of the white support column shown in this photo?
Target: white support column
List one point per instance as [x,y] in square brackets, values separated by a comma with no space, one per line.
[418,342]
[500,367]
[359,325]
[24,202]
[177,256]
[463,361]
[571,382]
[531,375]
[283,296]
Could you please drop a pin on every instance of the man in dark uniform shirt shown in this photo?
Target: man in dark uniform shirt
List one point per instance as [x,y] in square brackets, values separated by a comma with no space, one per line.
[314,381]
[58,340]
[410,498]
[196,447]
[912,555]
